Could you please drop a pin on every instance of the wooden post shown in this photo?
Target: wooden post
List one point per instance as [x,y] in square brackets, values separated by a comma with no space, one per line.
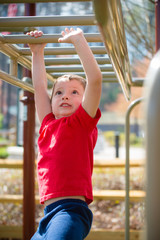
[157,24]
[28,165]
[29,154]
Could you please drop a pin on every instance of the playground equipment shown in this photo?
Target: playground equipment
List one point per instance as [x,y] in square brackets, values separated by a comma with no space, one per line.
[152,148]
[114,66]
[111,30]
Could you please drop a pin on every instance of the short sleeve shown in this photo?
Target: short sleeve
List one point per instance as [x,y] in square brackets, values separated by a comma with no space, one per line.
[85,119]
[49,117]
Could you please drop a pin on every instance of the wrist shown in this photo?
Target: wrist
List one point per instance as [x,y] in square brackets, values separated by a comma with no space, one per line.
[38,52]
[78,39]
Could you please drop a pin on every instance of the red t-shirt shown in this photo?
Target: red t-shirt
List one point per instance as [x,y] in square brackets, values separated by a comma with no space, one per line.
[65,158]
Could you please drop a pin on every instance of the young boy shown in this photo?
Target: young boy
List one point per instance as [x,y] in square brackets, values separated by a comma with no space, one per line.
[67,138]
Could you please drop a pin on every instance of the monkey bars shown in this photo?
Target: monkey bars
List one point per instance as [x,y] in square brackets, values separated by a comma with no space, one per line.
[108,16]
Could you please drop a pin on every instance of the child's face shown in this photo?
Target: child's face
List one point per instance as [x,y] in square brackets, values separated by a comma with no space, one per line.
[67,97]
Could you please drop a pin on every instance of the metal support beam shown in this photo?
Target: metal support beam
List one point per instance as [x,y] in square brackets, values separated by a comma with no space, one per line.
[13,52]
[16,82]
[127,165]
[110,21]
[46,21]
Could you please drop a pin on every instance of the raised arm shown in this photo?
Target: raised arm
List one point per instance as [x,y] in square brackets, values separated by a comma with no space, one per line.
[42,100]
[92,93]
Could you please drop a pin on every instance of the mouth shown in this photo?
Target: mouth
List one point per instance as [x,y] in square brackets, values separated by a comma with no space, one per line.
[65,105]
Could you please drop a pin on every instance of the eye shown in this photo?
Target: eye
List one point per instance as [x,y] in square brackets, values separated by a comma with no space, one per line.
[75,92]
[58,93]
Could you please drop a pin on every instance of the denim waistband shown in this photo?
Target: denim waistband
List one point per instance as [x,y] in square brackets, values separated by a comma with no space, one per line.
[53,205]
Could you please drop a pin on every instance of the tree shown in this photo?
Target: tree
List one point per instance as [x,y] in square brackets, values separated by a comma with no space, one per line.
[139,21]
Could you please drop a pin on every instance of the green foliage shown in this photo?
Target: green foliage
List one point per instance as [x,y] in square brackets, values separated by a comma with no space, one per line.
[139,22]
[134,140]
[3,152]
[1,120]
[109,136]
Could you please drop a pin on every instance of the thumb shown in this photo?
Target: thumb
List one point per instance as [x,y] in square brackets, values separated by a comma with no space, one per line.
[60,40]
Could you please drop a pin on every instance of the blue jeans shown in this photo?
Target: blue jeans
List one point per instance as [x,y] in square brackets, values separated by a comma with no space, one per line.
[68,219]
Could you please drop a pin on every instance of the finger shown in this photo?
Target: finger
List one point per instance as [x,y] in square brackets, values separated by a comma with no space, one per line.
[31,33]
[79,29]
[40,33]
[71,29]
[67,30]
[36,34]
[63,33]
[60,40]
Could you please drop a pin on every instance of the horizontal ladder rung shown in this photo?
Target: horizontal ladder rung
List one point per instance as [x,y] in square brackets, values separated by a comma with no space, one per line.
[77,68]
[63,50]
[107,75]
[46,21]
[73,60]
[46,38]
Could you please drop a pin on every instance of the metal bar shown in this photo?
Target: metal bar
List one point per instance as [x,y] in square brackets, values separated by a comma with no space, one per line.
[13,52]
[36,1]
[46,21]
[63,50]
[15,81]
[110,21]
[46,38]
[68,61]
[127,164]
[104,74]
[12,29]
[50,69]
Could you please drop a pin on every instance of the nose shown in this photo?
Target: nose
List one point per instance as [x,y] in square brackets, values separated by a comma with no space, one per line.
[65,97]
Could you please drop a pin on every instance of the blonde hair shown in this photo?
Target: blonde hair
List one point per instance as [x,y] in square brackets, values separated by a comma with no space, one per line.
[69,77]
